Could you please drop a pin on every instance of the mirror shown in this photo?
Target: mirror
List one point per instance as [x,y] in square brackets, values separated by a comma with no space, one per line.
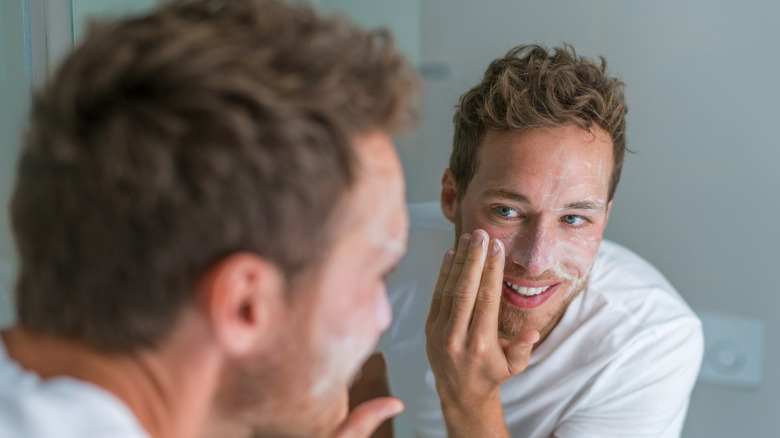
[696,199]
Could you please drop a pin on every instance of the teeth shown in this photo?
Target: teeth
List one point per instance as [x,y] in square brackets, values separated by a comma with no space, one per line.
[526,291]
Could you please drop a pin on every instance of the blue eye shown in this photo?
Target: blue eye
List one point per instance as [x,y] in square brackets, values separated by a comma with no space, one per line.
[574,220]
[506,211]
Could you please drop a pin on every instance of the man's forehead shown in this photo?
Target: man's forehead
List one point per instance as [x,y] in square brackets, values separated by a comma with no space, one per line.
[542,139]
[566,152]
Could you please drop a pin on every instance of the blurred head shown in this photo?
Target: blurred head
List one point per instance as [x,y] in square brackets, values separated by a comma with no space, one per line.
[297,384]
[168,143]
[536,159]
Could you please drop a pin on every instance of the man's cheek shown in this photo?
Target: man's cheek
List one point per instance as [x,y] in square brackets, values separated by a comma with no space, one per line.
[577,255]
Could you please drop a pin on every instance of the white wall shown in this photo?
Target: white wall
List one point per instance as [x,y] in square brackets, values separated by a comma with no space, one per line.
[699,197]
[14,104]
[85,10]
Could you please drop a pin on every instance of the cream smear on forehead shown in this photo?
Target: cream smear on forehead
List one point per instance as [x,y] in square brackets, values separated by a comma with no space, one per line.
[561,173]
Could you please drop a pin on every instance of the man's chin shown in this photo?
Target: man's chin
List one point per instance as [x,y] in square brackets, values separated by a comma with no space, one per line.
[511,320]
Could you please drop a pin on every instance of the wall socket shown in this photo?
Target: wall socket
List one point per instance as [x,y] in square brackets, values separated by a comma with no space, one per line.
[733,350]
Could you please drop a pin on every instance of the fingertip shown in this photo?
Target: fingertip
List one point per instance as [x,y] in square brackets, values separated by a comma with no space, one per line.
[465,241]
[532,338]
[449,255]
[395,407]
[479,238]
[365,418]
[496,247]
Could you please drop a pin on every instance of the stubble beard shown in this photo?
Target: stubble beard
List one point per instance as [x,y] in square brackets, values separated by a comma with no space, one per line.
[512,319]
[280,395]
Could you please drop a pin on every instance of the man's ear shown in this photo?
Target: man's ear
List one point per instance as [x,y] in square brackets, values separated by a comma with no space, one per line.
[449,195]
[241,295]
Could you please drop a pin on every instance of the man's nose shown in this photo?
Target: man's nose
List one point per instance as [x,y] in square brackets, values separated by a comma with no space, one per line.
[533,249]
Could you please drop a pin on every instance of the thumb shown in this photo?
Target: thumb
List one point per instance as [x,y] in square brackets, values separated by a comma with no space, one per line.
[518,352]
[364,419]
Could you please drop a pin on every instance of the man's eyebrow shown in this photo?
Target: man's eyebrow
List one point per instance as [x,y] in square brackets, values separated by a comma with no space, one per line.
[507,194]
[586,204]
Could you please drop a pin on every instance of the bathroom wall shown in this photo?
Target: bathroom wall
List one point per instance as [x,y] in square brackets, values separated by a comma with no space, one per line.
[14,104]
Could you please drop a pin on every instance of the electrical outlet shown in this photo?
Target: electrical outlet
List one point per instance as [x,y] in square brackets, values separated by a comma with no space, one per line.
[733,350]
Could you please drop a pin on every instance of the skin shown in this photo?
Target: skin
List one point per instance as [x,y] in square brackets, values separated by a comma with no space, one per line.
[244,360]
[534,213]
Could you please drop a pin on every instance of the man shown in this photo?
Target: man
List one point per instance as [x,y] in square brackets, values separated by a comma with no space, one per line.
[201,243]
[535,327]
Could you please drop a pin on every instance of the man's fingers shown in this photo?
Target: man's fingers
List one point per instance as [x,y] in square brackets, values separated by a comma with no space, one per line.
[452,280]
[444,273]
[518,352]
[465,292]
[367,417]
[488,300]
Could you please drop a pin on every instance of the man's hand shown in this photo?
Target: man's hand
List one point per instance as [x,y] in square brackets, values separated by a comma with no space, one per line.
[366,417]
[467,357]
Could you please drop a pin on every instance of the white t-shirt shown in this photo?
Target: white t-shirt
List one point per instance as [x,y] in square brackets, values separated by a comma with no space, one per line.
[60,407]
[621,363]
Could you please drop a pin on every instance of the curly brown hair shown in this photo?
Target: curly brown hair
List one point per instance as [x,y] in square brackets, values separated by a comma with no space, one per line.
[531,87]
[168,141]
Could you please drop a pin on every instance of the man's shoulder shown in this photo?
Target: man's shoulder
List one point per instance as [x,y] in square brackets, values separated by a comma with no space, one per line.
[619,266]
[628,316]
[62,407]
[621,274]
[627,290]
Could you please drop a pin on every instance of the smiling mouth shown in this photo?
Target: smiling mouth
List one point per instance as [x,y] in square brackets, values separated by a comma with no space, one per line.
[526,291]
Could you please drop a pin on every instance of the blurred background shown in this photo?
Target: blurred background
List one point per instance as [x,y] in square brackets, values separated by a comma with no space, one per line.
[697,198]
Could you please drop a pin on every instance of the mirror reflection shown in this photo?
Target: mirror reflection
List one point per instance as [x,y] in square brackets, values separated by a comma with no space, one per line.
[688,213]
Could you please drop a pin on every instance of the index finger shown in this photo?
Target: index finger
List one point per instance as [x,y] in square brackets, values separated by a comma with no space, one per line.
[444,273]
[488,302]
[368,416]
[460,295]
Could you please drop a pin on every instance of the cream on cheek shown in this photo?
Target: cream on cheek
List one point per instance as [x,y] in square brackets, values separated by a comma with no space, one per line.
[347,338]
[568,258]
[358,312]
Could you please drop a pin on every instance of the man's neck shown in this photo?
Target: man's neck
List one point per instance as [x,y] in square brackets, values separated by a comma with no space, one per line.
[168,391]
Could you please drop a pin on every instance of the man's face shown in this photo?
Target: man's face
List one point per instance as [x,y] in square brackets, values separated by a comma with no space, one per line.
[351,308]
[543,192]
[336,319]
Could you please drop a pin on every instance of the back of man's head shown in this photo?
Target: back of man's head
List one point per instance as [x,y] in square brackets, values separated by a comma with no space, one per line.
[531,87]
[168,141]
